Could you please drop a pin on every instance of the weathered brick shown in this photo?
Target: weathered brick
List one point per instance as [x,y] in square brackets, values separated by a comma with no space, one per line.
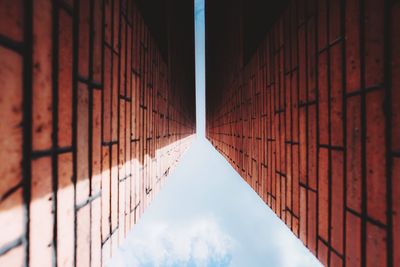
[312,221]
[353,240]
[312,147]
[13,257]
[42,116]
[375,156]
[323,195]
[83,237]
[12,19]
[374,45]
[396,209]
[376,246]
[97,41]
[352,28]
[334,7]
[65,211]
[337,201]
[107,89]
[323,252]
[64,80]
[114,187]
[11,114]
[323,93]
[41,215]
[336,260]
[395,75]
[82,187]
[84,29]
[96,145]
[96,233]
[353,153]
[105,193]
[336,95]
[303,214]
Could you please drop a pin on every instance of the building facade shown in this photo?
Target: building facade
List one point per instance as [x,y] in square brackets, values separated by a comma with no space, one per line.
[303,100]
[96,107]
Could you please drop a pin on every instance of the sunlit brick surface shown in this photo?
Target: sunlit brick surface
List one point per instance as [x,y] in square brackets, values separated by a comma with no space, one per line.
[93,119]
[311,122]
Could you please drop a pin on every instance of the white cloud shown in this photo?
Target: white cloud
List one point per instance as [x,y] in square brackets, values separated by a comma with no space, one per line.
[198,243]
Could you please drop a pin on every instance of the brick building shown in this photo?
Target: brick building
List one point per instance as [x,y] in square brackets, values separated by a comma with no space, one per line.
[97,104]
[303,100]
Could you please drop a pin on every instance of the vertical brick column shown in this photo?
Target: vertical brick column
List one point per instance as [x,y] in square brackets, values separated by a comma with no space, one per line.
[323,87]
[90,128]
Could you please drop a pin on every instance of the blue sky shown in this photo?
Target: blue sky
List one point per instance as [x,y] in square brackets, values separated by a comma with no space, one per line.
[200,67]
[206,215]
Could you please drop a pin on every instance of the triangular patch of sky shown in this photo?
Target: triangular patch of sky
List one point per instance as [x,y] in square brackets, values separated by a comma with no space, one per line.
[206,214]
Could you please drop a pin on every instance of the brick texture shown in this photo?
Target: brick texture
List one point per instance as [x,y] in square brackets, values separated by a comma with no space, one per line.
[94,118]
[311,122]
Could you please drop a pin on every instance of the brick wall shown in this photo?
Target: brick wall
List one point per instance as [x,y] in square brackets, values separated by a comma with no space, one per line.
[312,123]
[91,125]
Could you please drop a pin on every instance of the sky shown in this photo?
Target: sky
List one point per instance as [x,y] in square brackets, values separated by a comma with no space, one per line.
[200,67]
[206,214]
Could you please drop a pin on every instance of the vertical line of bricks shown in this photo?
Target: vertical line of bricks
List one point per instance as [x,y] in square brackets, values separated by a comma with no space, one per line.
[299,113]
[130,129]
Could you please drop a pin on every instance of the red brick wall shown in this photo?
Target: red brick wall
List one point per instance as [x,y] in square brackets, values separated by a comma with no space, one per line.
[312,123]
[90,127]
